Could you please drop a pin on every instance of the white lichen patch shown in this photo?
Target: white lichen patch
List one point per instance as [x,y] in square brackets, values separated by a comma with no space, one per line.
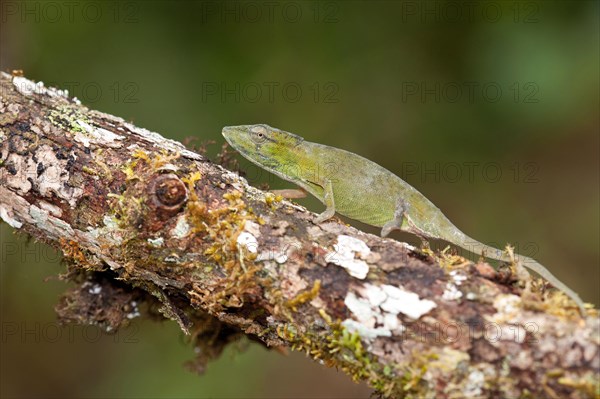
[88,134]
[109,233]
[375,294]
[457,277]
[14,209]
[451,292]
[14,108]
[96,289]
[345,254]
[25,168]
[506,323]
[45,174]
[51,180]
[408,303]
[374,313]
[135,311]
[156,242]
[51,209]
[280,258]
[110,222]
[8,218]
[281,253]
[181,229]
[28,87]
[54,227]
[507,303]
[508,307]
[161,142]
[368,317]
[367,333]
[361,308]
[498,334]
[392,322]
[474,385]
[248,242]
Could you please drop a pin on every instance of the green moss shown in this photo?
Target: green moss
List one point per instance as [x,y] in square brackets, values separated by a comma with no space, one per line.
[588,384]
[126,209]
[65,117]
[7,118]
[342,349]
[304,297]
[89,171]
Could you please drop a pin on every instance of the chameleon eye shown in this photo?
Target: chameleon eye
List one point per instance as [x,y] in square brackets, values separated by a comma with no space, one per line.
[258,134]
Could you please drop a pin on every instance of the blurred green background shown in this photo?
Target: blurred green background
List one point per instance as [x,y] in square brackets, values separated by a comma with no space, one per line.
[490,109]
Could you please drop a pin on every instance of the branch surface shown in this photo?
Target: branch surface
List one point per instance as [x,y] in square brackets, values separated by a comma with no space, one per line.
[140,219]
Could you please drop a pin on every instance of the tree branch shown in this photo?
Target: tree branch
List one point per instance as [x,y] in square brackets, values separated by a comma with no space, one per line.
[141,219]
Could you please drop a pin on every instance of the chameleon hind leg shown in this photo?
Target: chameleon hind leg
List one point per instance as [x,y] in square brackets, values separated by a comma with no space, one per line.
[329,203]
[396,222]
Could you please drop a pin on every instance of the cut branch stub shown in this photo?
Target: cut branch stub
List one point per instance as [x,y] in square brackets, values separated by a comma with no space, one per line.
[168,193]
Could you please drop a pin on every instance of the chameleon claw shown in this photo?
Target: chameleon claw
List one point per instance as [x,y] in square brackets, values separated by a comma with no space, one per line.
[327,214]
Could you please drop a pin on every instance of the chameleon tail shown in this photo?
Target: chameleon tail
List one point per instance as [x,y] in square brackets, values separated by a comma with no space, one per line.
[477,247]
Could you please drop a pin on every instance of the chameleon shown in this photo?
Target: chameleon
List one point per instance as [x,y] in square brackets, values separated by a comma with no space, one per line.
[360,189]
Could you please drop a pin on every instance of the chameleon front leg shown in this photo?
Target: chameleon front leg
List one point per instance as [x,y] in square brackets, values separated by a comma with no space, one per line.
[328,201]
[396,222]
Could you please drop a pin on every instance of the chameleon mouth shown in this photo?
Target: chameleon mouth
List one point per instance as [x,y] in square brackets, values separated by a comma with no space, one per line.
[229,133]
[226,132]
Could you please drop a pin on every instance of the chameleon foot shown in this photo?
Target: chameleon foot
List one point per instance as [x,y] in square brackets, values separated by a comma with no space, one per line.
[329,203]
[396,222]
[327,214]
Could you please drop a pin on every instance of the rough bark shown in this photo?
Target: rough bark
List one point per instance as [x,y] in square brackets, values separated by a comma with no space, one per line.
[142,220]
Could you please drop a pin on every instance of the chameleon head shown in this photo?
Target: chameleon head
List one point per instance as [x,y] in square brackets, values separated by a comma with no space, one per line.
[262,144]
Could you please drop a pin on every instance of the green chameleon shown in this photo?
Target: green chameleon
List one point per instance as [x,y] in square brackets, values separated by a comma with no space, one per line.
[360,189]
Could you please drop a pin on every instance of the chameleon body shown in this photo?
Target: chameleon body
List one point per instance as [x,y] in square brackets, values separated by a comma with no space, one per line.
[360,189]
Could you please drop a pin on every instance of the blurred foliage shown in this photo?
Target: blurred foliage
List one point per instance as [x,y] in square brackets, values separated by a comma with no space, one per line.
[445,94]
